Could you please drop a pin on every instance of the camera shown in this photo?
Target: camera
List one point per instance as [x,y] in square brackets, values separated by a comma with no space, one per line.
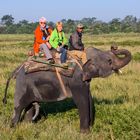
[66,47]
[59,44]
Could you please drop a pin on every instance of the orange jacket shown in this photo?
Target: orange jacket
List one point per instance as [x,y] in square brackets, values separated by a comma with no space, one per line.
[38,38]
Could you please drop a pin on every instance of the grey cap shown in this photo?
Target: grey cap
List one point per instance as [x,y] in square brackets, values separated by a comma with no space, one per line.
[80,25]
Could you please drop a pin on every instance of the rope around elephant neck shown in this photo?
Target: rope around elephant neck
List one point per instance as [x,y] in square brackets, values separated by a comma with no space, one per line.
[61,82]
[76,61]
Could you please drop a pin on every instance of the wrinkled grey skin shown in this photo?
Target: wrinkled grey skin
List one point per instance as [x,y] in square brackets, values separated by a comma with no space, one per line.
[103,63]
[44,86]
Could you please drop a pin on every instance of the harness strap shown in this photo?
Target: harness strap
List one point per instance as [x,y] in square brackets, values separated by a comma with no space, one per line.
[61,82]
[75,59]
[78,64]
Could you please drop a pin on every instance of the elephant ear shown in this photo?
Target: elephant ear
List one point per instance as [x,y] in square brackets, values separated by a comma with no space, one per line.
[88,69]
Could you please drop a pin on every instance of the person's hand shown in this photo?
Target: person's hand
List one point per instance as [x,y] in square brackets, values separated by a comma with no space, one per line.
[48,45]
[66,47]
[36,54]
[58,48]
[63,44]
[47,39]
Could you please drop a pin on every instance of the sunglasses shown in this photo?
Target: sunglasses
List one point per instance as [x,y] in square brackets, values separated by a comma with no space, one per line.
[42,22]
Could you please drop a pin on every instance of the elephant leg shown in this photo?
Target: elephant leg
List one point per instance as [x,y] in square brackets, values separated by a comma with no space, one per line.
[16,116]
[92,110]
[29,113]
[83,105]
[32,112]
[19,105]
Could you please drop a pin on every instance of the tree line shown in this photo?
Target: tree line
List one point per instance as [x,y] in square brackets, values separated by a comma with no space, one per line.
[92,25]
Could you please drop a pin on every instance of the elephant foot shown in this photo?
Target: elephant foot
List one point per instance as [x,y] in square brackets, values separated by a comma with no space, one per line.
[85,131]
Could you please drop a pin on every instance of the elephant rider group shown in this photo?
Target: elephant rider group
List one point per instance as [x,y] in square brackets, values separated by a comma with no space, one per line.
[46,39]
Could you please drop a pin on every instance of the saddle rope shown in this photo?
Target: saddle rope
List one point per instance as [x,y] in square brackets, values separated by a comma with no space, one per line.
[61,82]
[60,78]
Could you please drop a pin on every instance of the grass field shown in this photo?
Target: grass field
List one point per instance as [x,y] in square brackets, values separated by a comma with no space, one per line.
[117,98]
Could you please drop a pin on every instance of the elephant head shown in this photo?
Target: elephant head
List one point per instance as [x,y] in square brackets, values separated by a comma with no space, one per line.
[103,63]
[120,58]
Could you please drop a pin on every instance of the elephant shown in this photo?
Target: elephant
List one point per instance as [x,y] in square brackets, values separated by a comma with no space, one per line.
[44,86]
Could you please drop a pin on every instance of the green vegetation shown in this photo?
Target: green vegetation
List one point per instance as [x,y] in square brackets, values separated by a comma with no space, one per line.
[117,98]
[92,25]
[121,39]
[136,56]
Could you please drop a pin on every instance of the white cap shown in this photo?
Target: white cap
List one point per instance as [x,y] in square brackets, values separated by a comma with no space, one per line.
[42,19]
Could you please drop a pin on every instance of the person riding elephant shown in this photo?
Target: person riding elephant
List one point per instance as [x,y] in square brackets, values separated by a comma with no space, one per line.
[42,35]
[76,45]
[59,42]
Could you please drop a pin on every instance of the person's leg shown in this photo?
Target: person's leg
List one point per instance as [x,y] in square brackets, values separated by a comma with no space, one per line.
[63,56]
[81,55]
[46,51]
[84,57]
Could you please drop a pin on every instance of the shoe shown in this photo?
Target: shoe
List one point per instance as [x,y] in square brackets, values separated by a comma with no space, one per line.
[51,61]
[41,54]
[64,64]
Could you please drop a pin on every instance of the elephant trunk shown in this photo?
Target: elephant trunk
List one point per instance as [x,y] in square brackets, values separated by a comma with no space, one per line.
[123,58]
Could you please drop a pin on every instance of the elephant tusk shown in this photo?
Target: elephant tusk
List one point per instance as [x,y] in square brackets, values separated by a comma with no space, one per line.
[36,105]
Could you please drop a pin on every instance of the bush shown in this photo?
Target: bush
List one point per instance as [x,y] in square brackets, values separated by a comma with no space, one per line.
[136,56]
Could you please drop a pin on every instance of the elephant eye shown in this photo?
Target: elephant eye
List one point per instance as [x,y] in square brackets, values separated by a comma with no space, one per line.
[109,61]
[91,67]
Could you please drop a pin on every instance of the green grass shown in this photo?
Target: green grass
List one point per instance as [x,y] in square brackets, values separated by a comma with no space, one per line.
[117,98]
[136,56]
[108,39]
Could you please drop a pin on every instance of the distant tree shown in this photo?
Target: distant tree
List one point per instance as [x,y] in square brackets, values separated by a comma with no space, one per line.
[88,21]
[23,22]
[69,26]
[92,25]
[93,20]
[138,27]
[115,25]
[64,21]
[7,20]
[51,24]
[11,29]
[129,24]
[27,28]
[98,27]
[2,29]
[105,28]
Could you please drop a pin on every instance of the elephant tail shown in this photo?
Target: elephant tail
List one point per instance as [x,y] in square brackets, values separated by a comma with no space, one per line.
[12,75]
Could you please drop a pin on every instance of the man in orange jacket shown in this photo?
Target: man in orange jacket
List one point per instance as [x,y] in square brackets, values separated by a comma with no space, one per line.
[41,42]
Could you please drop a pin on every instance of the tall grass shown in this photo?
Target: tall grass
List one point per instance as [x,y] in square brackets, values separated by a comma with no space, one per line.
[117,98]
